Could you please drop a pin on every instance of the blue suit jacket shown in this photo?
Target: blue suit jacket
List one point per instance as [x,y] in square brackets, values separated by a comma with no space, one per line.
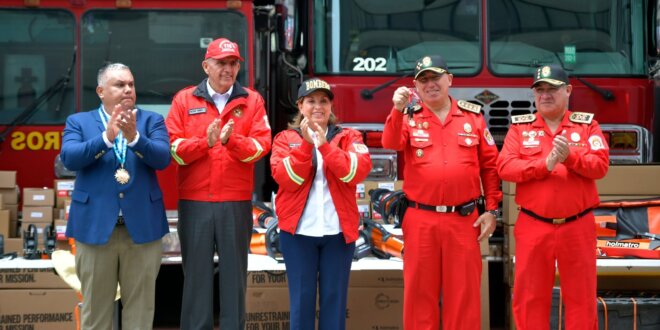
[97,197]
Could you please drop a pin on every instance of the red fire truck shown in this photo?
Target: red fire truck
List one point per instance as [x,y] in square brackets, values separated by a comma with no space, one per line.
[50,52]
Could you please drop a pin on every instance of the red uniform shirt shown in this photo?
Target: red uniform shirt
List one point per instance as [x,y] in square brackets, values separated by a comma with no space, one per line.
[570,187]
[446,164]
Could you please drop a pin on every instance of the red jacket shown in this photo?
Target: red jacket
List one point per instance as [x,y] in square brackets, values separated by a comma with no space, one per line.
[346,162]
[224,172]
[570,187]
[445,163]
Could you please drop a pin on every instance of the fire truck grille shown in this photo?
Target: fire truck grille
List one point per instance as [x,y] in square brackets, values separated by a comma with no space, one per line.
[506,102]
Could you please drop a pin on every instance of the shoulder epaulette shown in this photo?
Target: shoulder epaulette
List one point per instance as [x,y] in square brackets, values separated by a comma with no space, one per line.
[522,119]
[581,117]
[467,106]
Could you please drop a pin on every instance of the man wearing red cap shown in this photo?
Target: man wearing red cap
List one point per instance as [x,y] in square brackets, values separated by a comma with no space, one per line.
[554,157]
[218,130]
[449,156]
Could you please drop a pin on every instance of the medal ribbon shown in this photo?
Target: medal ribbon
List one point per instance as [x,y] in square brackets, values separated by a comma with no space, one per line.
[120,142]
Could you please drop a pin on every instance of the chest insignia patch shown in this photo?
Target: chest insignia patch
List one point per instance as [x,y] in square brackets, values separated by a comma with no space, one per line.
[196,111]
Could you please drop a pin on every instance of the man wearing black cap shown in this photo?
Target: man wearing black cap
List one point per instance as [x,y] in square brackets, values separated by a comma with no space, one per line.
[449,156]
[554,157]
[218,130]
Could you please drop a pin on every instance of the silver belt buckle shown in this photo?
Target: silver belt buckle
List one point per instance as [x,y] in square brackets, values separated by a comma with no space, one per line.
[441,208]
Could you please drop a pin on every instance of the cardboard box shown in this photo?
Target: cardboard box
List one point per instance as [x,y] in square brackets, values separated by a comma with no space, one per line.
[60,229]
[9,195]
[484,247]
[375,308]
[272,279]
[630,180]
[5,224]
[509,210]
[13,229]
[14,245]
[376,278]
[267,308]
[38,309]
[364,209]
[360,192]
[13,211]
[38,197]
[30,278]
[7,179]
[63,190]
[37,214]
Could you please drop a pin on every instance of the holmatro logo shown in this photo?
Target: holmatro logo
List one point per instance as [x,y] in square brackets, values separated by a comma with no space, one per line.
[632,245]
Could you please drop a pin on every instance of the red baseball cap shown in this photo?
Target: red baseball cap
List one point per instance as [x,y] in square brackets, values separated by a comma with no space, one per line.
[222,48]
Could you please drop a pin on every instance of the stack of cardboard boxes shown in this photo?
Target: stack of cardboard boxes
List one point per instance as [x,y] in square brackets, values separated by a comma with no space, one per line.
[35,298]
[8,206]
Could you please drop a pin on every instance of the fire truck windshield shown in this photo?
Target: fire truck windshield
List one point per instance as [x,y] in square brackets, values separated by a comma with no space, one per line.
[36,51]
[383,37]
[587,37]
[164,49]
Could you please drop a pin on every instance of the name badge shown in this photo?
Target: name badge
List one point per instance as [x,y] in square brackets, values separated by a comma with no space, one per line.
[196,111]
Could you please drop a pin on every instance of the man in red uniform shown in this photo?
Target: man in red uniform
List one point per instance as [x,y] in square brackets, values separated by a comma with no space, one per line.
[218,130]
[449,156]
[554,157]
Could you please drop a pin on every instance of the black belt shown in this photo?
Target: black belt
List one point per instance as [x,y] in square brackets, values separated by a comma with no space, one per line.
[555,221]
[439,208]
[120,221]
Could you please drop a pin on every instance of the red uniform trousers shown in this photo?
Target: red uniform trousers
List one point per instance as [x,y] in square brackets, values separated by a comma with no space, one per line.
[441,259]
[538,245]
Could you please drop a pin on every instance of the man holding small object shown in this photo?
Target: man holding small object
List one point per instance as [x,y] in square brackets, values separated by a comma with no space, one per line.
[449,156]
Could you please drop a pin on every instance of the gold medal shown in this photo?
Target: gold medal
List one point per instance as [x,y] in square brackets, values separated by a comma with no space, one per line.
[122,176]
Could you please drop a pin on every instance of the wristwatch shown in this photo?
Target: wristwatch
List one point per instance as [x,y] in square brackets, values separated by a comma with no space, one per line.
[494,212]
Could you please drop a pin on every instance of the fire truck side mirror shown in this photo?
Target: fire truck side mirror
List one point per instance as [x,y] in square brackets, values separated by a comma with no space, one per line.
[288,27]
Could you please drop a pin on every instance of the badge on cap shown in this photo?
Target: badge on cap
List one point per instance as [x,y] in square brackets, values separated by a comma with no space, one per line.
[545,71]
[426,61]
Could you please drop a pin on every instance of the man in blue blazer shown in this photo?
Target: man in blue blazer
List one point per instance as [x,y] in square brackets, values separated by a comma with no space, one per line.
[117,215]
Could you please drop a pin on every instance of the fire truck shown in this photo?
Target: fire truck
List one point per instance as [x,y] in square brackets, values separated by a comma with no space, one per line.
[50,51]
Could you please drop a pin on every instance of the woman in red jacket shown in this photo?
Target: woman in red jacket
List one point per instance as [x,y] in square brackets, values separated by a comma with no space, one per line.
[317,165]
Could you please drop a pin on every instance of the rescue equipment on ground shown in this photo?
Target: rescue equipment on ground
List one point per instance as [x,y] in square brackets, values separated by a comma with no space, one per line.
[265,238]
[628,228]
[383,244]
[391,205]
